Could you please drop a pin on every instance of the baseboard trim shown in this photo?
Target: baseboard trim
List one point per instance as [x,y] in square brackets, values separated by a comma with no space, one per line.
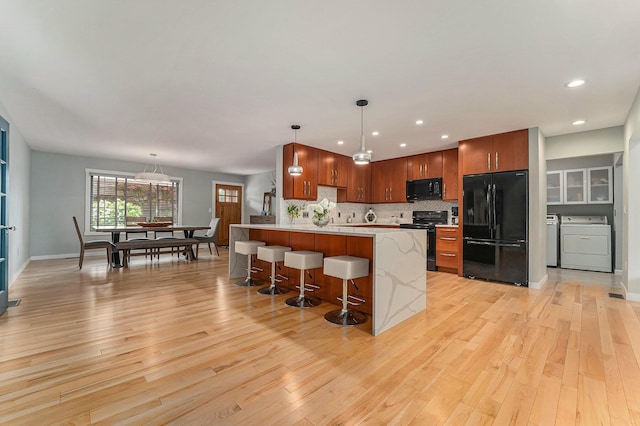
[632,297]
[538,284]
[18,272]
[63,256]
[617,271]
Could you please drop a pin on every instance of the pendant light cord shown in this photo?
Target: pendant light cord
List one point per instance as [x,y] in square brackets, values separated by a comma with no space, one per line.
[362,128]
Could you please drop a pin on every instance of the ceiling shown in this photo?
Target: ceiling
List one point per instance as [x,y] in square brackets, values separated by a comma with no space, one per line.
[215,85]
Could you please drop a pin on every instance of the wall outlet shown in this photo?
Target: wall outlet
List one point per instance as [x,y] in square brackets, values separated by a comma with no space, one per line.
[401,215]
[338,214]
[305,214]
[354,214]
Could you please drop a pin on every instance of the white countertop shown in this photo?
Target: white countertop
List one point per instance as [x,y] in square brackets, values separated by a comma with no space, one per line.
[348,229]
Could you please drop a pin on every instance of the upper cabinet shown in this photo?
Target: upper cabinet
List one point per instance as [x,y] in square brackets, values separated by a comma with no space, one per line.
[555,187]
[580,186]
[450,175]
[389,181]
[424,166]
[332,169]
[495,153]
[358,184]
[305,186]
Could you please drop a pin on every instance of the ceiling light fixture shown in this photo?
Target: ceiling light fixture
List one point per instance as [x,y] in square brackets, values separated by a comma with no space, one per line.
[444,137]
[376,133]
[575,83]
[154,176]
[578,122]
[340,142]
[403,145]
[295,169]
[419,122]
[362,156]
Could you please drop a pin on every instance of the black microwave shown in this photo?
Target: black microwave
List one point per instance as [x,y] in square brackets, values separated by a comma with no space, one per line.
[424,189]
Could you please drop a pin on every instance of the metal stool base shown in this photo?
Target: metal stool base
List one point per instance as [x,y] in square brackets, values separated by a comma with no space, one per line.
[302,302]
[273,291]
[248,283]
[345,318]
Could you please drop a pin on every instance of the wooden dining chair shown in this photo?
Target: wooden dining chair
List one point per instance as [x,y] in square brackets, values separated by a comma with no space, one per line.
[96,244]
[132,221]
[210,237]
[167,234]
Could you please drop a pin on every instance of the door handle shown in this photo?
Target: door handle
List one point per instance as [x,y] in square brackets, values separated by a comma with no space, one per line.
[420,170]
[496,160]
[448,238]
[390,194]
[488,161]
[447,254]
[444,191]
[10,228]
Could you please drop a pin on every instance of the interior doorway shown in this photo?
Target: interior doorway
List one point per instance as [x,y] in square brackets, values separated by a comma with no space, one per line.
[228,207]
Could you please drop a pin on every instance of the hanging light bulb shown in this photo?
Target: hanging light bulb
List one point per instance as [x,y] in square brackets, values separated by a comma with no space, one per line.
[362,156]
[295,169]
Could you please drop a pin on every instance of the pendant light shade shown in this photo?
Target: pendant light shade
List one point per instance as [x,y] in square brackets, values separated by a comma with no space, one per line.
[295,169]
[154,176]
[362,156]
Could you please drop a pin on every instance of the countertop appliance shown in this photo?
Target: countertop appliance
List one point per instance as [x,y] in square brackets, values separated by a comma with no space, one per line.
[494,216]
[454,215]
[428,219]
[424,189]
[585,243]
[552,240]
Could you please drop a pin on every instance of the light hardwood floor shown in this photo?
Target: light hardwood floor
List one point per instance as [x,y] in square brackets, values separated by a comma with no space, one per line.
[174,343]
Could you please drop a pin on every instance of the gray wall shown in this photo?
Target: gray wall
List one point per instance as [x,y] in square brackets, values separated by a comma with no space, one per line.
[255,187]
[57,192]
[592,142]
[18,200]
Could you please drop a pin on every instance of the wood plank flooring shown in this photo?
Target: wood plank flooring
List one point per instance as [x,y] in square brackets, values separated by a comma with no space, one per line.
[170,342]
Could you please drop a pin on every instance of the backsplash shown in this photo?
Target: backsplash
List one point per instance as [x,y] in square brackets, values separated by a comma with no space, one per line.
[386,213]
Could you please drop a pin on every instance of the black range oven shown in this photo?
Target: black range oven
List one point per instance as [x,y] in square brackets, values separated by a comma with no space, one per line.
[428,219]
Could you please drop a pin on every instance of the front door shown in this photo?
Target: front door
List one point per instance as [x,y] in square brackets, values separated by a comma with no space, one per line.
[4,252]
[228,209]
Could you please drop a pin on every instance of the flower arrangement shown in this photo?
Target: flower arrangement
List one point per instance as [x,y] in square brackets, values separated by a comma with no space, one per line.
[293,212]
[321,211]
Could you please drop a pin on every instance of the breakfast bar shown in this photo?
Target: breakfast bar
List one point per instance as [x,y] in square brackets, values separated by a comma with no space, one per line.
[395,289]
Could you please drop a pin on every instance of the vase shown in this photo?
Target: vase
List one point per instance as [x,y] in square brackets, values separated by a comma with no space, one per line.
[320,222]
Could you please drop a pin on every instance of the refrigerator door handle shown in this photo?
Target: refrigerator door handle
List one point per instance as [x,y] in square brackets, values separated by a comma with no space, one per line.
[489,220]
[493,208]
[488,243]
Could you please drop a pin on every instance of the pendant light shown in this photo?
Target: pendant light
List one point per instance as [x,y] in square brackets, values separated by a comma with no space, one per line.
[295,169]
[362,156]
[154,176]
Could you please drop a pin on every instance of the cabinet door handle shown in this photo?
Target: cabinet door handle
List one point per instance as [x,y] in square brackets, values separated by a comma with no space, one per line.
[390,194]
[426,171]
[448,254]
[420,170]
[448,238]
[584,238]
[488,161]
[444,190]
[496,160]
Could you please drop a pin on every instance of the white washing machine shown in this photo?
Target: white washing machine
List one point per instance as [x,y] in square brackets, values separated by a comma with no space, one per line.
[552,240]
[585,243]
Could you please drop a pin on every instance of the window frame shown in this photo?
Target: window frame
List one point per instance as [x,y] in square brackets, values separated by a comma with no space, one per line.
[87,193]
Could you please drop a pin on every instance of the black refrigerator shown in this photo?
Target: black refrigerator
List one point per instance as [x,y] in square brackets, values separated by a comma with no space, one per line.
[494,214]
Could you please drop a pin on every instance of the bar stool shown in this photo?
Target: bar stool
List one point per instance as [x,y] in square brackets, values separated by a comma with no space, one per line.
[303,260]
[347,268]
[249,247]
[273,254]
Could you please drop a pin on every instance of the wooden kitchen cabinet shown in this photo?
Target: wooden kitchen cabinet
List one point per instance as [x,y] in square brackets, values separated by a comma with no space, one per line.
[495,153]
[332,169]
[358,184]
[450,175]
[447,254]
[389,180]
[425,166]
[362,247]
[305,186]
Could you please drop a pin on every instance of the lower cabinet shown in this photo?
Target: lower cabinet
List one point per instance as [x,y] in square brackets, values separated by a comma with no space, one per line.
[447,249]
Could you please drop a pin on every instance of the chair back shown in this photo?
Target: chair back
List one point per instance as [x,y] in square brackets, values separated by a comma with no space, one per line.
[163,219]
[75,222]
[133,220]
[213,227]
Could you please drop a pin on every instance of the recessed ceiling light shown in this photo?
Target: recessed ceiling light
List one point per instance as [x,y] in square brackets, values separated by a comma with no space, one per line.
[340,142]
[369,151]
[419,122]
[376,133]
[403,145]
[444,137]
[575,83]
[578,122]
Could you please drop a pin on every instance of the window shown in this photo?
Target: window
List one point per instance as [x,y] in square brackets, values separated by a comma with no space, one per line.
[227,195]
[113,196]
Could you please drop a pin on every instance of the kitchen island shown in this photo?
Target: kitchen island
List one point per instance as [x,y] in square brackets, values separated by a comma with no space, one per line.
[394,291]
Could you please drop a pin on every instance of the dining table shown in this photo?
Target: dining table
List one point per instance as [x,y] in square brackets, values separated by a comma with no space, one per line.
[115,231]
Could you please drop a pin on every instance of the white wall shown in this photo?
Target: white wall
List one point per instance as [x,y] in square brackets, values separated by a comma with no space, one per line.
[631,203]
[537,209]
[593,142]
[18,200]
[57,192]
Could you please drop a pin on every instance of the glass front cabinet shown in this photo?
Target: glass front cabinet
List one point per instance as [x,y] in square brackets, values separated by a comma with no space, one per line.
[575,186]
[600,189]
[555,187]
